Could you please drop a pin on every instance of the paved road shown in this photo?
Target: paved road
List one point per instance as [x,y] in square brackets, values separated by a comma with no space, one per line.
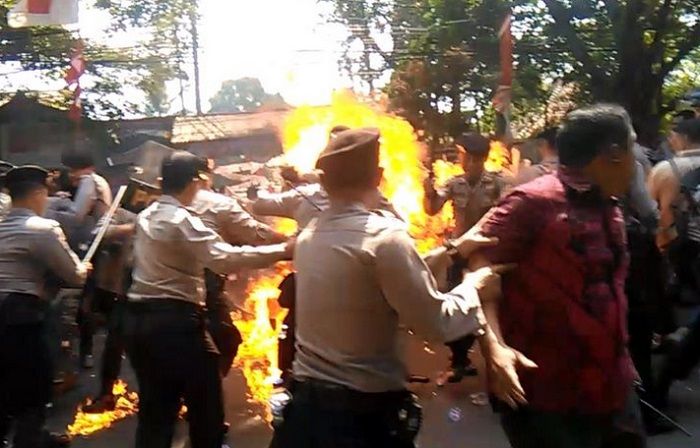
[477,427]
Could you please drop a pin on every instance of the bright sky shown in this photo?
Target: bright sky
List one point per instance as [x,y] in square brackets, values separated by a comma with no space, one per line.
[284,43]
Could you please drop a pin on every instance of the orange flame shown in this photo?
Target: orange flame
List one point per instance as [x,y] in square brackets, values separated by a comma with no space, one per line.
[305,135]
[85,424]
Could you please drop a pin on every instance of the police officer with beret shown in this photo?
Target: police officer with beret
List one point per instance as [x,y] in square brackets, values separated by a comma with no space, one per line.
[31,249]
[359,277]
[167,340]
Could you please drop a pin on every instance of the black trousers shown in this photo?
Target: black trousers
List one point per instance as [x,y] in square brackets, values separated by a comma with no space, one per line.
[459,349]
[223,331]
[115,344]
[644,290]
[680,362]
[316,419]
[175,360]
[25,370]
[528,428]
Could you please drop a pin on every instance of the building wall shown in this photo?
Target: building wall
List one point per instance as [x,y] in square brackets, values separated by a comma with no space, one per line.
[255,148]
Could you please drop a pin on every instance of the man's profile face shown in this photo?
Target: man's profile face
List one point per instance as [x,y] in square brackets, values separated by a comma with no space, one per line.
[614,169]
[473,165]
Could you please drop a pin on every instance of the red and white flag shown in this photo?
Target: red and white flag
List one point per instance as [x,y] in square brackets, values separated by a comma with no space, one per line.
[43,13]
[77,65]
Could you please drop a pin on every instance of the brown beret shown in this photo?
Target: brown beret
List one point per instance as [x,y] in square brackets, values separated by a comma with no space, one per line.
[346,143]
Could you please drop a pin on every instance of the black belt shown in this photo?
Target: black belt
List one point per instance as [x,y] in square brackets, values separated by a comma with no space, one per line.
[327,395]
[163,304]
[19,308]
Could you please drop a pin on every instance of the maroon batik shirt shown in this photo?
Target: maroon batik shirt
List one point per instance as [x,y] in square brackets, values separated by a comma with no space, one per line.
[564,306]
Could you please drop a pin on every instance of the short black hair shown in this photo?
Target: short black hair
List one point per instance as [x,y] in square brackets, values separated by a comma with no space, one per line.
[690,129]
[587,132]
[24,180]
[686,114]
[549,135]
[179,169]
[78,159]
[474,144]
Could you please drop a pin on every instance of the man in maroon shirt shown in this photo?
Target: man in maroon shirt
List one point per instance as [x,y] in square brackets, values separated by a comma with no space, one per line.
[564,306]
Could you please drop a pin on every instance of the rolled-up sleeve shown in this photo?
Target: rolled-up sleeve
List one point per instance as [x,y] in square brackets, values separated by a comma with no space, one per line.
[411,290]
[53,250]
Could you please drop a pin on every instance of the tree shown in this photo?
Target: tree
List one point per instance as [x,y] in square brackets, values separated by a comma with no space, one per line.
[112,76]
[443,55]
[618,50]
[243,95]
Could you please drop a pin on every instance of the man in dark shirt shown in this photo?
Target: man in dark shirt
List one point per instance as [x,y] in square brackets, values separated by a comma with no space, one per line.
[564,306]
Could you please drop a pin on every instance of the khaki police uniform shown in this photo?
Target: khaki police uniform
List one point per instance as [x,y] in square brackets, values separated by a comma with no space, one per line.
[167,341]
[32,249]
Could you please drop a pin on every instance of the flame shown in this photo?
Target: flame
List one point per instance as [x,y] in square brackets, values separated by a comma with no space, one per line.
[85,424]
[259,325]
[305,135]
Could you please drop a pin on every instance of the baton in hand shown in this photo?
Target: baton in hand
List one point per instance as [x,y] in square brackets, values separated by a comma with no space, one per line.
[106,221]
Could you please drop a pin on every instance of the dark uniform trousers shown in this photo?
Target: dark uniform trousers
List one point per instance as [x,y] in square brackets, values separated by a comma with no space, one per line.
[286,345]
[322,415]
[25,369]
[459,349]
[114,308]
[174,359]
[223,331]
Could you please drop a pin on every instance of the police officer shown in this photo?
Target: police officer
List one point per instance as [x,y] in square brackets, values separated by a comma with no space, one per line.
[358,277]
[472,195]
[5,201]
[92,199]
[31,248]
[226,217]
[167,342]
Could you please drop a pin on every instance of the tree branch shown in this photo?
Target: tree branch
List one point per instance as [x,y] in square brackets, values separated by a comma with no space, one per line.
[691,43]
[614,14]
[661,27]
[563,17]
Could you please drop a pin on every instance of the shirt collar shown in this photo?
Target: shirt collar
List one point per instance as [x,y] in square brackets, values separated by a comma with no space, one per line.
[574,179]
[21,212]
[167,199]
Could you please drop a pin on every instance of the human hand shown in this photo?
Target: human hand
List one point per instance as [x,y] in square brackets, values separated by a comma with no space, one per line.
[502,363]
[487,281]
[471,241]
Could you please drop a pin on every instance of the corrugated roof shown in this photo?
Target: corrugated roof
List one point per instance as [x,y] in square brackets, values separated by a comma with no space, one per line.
[226,126]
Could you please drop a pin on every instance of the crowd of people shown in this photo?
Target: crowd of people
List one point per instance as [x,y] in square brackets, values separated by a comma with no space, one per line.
[566,275]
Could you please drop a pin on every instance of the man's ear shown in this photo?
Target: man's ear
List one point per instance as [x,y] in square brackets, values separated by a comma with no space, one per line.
[380,176]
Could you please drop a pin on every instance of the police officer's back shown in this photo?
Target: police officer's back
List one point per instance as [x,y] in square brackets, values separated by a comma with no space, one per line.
[358,277]
[31,249]
[167,340]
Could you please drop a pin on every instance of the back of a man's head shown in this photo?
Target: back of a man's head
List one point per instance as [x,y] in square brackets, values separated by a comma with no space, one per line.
[78,159]
[351,161]
[179,169]
[589,131]
[690,129]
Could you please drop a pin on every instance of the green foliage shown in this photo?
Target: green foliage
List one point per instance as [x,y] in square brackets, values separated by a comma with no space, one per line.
[119,80]
[243,95]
